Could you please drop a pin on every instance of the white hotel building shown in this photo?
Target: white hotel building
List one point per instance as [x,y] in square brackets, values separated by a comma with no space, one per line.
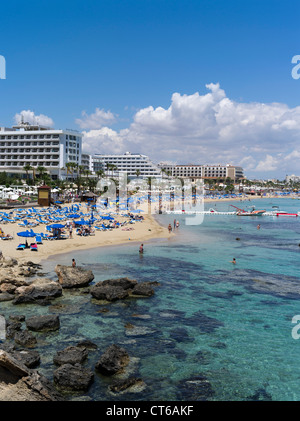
[203,171]
[132,164]
[38,146]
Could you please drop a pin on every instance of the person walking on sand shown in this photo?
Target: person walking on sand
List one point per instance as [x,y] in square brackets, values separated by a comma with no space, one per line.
[174,223]
[170,228]
[73,263]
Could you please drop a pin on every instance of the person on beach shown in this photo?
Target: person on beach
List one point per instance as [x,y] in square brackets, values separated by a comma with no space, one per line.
[70,231]
[233,261]
[170,228]
[174,223]
[73,263]
[141,250]
[258,226]
[177,224]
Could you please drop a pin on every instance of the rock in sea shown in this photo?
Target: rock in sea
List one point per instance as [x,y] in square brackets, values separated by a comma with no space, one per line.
[76,277]
[43,323]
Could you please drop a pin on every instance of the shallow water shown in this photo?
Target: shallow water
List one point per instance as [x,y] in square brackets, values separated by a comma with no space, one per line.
[213,330]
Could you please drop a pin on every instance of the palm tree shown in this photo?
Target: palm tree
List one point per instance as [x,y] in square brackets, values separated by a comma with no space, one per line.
[138,173]
[70,168]
[42,171]
[27,168]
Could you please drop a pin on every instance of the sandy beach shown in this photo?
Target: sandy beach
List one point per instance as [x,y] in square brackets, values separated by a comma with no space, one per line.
[140,231]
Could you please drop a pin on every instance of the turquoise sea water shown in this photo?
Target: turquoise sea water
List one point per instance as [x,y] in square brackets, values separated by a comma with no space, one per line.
[213,330]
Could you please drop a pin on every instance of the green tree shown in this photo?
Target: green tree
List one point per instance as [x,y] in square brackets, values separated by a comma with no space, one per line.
[27,168]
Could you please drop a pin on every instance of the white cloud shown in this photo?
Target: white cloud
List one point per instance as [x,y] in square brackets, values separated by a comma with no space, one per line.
[270,163]
[104,140]
[30,117]
[209,128]
[96,120]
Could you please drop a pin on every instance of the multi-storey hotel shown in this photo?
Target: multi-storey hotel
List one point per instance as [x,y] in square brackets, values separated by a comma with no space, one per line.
[38,146]
[133,164]
[203,171]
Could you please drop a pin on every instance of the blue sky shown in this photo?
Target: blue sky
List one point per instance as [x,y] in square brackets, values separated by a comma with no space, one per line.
[127,59]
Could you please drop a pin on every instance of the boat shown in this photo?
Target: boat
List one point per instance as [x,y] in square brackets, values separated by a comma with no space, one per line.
[282,213]
[242,212]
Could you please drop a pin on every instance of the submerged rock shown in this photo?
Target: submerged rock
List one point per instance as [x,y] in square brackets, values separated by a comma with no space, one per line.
[112,361]
[130,385]
[87,344]
[143,288]
[197,388]
[76,277]
[120,288]
[25,338]
[73,377]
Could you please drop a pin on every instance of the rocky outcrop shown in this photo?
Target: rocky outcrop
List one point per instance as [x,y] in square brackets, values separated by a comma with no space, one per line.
[43,323]
[5,296]
[71,355]
[118,289]
[15,283]
[29,358]
[19,383]
[112,361]
[143,289]
[108,292]
[76,277]
[73,377]
[25,338]
[39,289]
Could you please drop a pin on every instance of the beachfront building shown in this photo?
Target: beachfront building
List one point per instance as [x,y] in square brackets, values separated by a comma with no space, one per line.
[190,170]
[36,146]
[292,179]
[213,172]
[223,171]
[87,162]
[133,164]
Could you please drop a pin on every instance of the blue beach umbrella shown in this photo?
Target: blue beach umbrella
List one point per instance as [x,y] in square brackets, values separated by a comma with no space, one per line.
[73,215]
[56,226]
[26,234]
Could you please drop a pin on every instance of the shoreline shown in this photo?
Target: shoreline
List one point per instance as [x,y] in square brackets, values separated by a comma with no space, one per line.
[148,229]
[143,231]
